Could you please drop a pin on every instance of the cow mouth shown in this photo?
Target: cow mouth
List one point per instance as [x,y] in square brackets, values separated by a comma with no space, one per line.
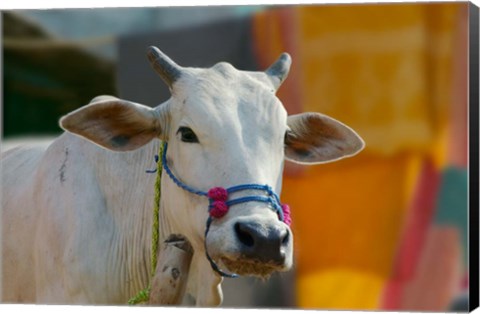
[249,267]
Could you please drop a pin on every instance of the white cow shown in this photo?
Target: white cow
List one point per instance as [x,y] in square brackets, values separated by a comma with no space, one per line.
[76,217]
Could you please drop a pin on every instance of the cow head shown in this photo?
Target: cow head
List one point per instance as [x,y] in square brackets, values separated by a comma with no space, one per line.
[224,127]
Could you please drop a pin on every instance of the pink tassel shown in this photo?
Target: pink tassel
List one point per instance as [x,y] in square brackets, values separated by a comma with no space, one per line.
[287,219]
[218,194]
[219,209]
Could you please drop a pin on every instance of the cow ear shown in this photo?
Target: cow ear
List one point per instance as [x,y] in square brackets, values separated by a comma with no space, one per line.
[113,123]
[317,138]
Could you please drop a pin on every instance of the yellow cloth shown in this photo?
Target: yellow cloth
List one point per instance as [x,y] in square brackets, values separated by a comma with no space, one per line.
[385,70]
[341,289]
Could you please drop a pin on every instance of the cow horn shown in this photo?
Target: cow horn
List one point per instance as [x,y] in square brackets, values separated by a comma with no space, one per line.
[278,71]
[168,70]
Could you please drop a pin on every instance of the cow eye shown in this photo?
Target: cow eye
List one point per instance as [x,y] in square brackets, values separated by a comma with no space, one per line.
[187,135]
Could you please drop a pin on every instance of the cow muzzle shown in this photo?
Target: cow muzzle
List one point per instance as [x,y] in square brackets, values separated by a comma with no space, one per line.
[265,244]
[253,246]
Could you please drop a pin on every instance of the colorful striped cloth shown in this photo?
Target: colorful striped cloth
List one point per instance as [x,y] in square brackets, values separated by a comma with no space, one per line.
[366,228]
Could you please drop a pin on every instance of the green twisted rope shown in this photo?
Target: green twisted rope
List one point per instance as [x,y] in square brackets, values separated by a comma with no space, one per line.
[144,294]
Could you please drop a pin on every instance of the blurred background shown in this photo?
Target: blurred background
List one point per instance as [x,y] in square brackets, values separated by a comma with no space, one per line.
[385,230]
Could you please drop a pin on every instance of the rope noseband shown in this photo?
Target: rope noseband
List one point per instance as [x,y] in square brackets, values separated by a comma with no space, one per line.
[220,202]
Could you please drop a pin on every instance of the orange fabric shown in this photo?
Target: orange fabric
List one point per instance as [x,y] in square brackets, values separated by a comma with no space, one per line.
[348,213]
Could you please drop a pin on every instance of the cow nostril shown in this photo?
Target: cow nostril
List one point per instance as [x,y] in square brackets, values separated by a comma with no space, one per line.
[286,238]
[244,237]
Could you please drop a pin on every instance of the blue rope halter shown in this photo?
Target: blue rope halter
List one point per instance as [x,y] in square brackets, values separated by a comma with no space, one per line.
[218,203]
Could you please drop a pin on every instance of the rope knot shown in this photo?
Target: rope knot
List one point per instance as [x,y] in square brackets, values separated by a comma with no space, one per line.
[218,209]
[218,194]
[218,197]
